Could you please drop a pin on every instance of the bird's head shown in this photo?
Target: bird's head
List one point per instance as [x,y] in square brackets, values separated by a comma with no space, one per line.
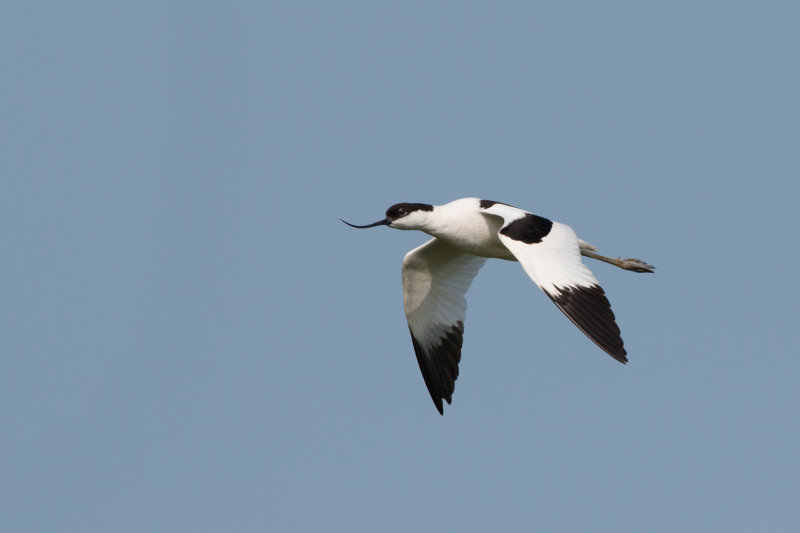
[402,216]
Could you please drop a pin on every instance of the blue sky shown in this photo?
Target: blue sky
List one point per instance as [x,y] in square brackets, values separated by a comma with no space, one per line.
[193,342]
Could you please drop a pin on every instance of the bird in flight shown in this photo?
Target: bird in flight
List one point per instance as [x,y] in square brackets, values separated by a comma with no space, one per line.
[465,233]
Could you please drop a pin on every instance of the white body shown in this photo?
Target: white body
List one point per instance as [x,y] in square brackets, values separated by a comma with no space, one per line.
[464,226]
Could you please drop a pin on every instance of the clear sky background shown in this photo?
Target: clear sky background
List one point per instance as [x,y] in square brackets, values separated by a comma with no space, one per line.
[191,340]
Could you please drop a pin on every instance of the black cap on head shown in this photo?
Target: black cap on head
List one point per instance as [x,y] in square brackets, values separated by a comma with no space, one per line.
[393,213]
[401,210]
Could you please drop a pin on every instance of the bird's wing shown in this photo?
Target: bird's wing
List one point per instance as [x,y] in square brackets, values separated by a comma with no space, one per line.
[436,277]
[550,254]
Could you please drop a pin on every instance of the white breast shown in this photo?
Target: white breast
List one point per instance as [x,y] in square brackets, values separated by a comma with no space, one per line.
[463,225]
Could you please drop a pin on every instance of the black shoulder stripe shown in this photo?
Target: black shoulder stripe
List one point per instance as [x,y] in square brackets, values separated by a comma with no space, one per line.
[529,229]
[486,204]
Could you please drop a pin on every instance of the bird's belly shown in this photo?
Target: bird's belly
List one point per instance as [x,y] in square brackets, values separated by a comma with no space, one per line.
[479,239]
[492,249]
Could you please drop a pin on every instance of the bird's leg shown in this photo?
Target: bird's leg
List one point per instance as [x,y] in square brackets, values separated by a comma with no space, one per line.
[635,265]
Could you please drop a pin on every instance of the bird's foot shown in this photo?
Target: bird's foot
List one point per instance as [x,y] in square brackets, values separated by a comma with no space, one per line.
[636,265]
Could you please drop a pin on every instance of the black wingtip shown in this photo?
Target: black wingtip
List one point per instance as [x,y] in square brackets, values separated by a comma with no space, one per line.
[439,365]
[589,309]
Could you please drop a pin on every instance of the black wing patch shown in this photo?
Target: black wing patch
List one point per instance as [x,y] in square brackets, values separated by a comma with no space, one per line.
[589,309]
[530,229]
[439,364]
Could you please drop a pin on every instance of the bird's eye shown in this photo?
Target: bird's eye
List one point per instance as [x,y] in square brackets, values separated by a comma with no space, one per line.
[401,211]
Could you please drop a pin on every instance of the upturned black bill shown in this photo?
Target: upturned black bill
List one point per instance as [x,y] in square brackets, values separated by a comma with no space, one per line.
[383,222]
